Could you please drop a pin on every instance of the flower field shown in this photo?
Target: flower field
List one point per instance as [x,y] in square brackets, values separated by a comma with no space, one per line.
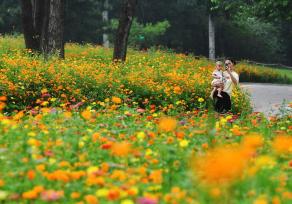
[86,130]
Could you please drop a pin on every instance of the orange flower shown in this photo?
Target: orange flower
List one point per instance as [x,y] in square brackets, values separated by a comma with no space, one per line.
[121,149]
[282,144]
[116,100]
[156,176]
[75,195]
[113,194]
[222,164]
[177,90]
[3,98]
[30,195]
[180,135]
[31,174]
[2,183]
[95,136]
[86,114]
[253,140]
[91,199]
[167,124]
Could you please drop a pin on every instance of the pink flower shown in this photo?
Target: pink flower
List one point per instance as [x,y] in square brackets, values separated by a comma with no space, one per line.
[51,195]
[146,201]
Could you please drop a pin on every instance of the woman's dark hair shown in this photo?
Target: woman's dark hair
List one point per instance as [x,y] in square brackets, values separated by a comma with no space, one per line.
[232,60]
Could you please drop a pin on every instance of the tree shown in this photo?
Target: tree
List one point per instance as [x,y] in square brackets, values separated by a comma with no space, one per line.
[212,54]
[125,22]
[105,19]
[43,26]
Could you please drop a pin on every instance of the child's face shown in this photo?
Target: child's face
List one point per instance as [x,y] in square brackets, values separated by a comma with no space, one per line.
[219,67]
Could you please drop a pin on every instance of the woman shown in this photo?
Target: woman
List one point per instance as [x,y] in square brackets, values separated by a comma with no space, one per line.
[223,104]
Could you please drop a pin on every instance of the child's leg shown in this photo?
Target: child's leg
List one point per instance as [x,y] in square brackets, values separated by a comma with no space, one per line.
[219,92]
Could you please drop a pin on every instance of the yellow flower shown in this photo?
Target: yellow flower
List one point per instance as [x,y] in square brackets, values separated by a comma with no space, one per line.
[92,170]
[201,100]
[102,192]
[261,200]
[3,195]
[31,134]
[183,143]
[265,162]
[141,135]
[127,201]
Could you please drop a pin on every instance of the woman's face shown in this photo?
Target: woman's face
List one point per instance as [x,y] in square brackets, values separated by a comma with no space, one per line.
[230,64]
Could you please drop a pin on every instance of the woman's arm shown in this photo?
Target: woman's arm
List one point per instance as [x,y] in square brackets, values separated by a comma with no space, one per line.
[233,79]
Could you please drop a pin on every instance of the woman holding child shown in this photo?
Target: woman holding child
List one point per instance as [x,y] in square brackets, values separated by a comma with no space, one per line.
[223,83]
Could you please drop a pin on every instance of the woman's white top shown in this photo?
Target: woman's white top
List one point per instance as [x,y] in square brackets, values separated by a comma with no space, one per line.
[228,84]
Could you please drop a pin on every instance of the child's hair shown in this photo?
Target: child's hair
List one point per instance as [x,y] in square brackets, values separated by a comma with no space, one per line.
[219,63]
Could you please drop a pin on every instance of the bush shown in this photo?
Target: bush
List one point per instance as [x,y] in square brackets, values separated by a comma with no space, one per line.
[144,36]
[172,81]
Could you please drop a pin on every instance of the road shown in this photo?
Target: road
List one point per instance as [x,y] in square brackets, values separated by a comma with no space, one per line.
[267,98]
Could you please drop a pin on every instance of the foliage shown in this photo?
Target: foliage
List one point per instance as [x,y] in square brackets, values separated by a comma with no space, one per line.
[188,33]
[143,36]
[10,16]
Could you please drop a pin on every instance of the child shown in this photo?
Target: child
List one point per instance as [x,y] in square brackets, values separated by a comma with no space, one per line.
[218,79]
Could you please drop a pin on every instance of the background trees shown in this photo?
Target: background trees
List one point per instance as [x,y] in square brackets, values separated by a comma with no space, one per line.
[43,26]
[255,29]
[123,30]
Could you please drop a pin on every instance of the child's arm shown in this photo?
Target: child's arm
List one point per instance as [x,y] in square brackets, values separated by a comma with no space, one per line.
[215,76]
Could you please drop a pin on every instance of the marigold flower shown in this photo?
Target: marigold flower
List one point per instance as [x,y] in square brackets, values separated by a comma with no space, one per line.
[2,183]
[201,100]
[222,164]
[91,199]
[113,194]
[177,90]
[30,195]
[282,144]
[103,192]
[3,195]
[116,100]
[127,201]
[31,174]
[156,176]
[86,114]
[3,98]
[167,124]
[183,143]
[121,149]
[253,140]
[75,195]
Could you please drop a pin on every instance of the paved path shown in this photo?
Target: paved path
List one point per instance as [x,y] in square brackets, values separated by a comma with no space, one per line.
[267,98]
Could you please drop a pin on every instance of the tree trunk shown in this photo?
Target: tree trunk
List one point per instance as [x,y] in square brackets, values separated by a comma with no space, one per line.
[43,26]
[105,20]
[55,35]
[125,22]
[27,25]
[211,38]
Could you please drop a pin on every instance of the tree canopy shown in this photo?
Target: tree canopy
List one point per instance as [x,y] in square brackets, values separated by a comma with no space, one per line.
[254,29]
